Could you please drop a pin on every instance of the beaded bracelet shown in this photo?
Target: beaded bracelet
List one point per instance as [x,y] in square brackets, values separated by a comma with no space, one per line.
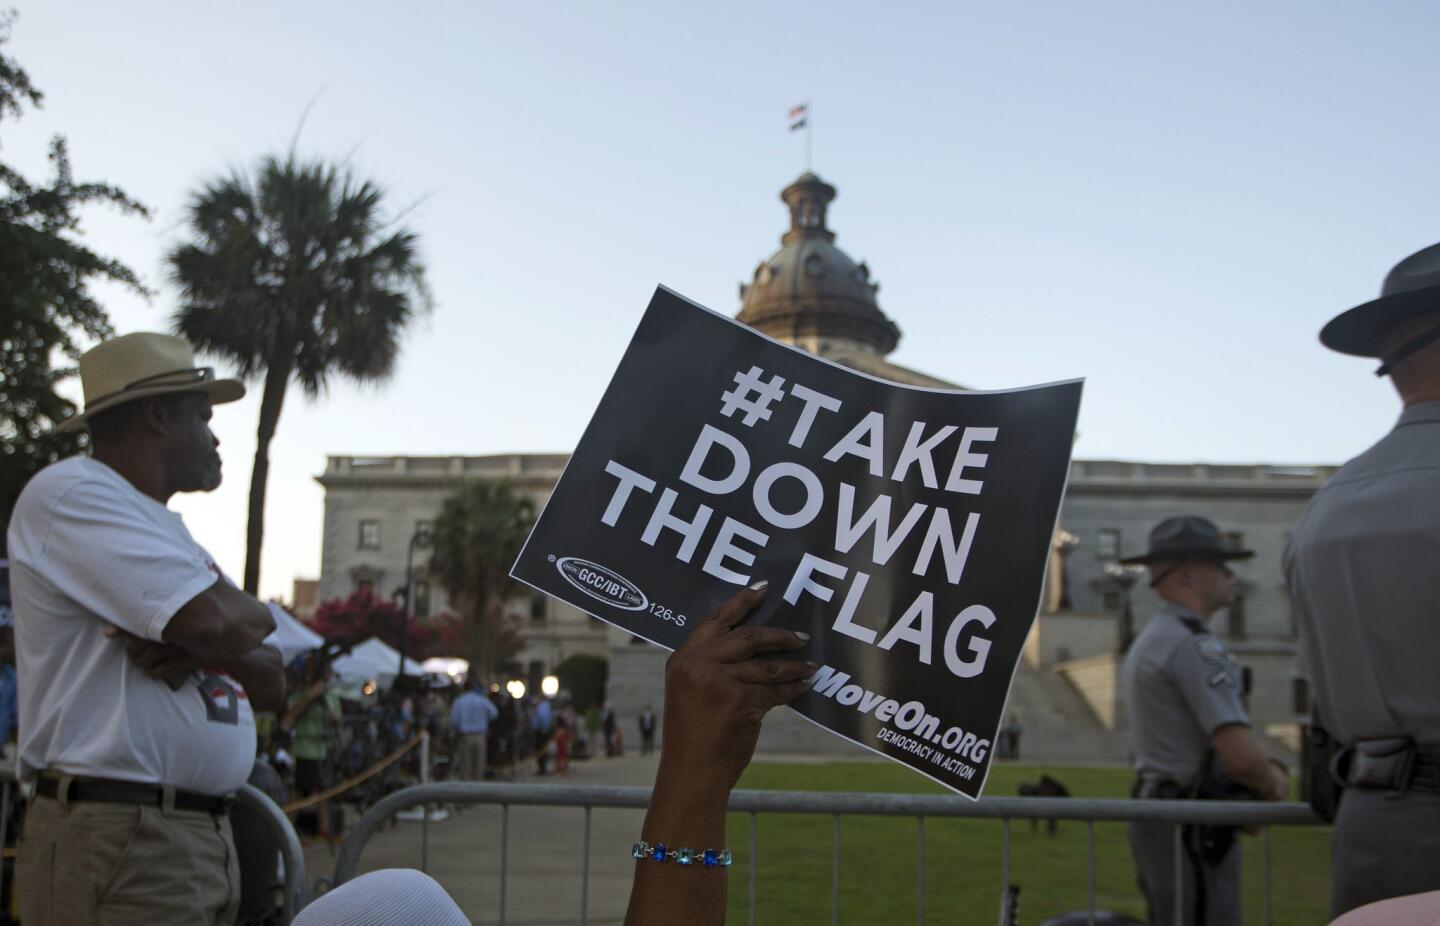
[708,858]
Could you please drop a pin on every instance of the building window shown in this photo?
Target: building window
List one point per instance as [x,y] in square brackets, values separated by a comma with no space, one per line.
[537,609]
[424,527]
[1110,600]
[1107,543]
[422,597]
[1234,540]
[365,585]
[369,535]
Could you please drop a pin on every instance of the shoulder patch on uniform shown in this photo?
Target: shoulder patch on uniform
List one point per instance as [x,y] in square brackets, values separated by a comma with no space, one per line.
[1211,650]
[1219,667]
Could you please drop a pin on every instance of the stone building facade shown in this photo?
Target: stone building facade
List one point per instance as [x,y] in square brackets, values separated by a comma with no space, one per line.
[374,506]
[811,294]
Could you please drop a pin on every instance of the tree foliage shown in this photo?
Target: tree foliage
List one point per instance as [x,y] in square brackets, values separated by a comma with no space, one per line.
[46,307]
[477,535]
[292,273]
[364,615]
[584,676]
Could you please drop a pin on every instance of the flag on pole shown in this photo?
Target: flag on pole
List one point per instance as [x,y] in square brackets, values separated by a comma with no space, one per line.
[798,116]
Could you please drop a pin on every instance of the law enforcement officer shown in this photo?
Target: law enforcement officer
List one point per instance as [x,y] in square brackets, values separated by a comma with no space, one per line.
[1363,567]
[1183,697]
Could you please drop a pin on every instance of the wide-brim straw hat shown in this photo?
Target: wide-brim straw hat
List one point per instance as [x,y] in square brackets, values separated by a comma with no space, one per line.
[135,366]
[1411,288]
[1188,536]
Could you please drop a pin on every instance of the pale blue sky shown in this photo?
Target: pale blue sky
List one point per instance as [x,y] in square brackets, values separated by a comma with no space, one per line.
[1168,200]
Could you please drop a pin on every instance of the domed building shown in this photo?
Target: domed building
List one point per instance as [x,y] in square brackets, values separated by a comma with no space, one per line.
[812,295]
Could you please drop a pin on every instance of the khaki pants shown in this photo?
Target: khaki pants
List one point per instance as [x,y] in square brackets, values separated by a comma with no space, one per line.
[470,757]
[94,864]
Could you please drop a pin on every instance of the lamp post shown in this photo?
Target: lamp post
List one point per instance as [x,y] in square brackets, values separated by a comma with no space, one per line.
[1125,577]
[516,688]
[1065,544]
[421,538]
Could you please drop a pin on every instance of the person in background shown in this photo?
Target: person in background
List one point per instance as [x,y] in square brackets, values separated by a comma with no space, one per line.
[470,719]
[562,747]
[540,723]
[717,692]
[312,718]
[1182,693]
[138,660]
[9,686]
[647,730]
[1363,570]
[607,726]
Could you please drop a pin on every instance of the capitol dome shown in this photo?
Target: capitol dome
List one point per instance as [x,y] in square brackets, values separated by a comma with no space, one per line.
[810,293]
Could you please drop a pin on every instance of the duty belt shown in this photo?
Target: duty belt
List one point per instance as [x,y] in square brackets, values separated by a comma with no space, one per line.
[1387,765]
[1148,788]
[106,791]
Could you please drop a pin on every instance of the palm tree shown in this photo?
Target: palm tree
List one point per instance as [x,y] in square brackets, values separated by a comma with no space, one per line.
[292,273]
[477,535]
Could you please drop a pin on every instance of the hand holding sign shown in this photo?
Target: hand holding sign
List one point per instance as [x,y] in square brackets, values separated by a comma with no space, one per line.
[717,692]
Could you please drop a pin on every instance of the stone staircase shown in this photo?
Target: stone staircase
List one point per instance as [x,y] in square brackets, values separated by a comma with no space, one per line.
[1058,726]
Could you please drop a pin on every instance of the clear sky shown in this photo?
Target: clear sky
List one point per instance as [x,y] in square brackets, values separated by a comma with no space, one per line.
[1166,199]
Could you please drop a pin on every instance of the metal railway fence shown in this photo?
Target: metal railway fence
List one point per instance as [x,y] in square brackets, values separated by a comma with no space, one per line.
[1003,809]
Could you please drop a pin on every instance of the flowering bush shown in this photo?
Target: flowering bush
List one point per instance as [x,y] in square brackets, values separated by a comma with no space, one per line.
[365,615]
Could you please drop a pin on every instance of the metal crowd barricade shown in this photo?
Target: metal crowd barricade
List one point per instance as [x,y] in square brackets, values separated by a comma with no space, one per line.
[838,804]
[286,839]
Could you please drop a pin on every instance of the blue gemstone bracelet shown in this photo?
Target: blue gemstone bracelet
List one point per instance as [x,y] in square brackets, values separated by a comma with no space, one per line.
[706,858]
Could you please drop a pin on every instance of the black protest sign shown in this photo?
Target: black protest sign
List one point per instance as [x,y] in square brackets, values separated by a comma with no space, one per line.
[907,530]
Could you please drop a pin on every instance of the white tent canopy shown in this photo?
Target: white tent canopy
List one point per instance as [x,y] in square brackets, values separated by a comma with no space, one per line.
[291,637]
[449,666]
[373,659]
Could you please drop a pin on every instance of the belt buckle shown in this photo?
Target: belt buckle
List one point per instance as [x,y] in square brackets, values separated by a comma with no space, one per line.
[1403,775]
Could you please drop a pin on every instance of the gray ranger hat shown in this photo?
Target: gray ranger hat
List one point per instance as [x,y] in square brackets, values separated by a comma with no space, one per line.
[1411,288]
[1187,537]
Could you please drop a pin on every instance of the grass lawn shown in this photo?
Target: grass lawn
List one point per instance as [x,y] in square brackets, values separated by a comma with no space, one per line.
[962,857]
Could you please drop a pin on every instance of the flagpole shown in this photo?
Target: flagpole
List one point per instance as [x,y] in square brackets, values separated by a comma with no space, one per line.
[809,137]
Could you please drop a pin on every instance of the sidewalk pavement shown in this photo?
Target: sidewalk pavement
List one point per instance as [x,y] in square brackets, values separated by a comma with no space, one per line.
[543,878]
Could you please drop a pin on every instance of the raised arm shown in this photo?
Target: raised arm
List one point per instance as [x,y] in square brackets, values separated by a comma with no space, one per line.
[716,693]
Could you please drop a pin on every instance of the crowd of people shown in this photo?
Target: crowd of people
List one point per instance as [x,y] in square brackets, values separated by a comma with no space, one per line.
[323,741]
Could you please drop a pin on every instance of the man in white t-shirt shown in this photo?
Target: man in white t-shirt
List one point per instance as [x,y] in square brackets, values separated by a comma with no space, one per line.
[138,659]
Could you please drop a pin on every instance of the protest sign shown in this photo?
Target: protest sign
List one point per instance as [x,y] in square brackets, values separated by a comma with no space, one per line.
[906,529]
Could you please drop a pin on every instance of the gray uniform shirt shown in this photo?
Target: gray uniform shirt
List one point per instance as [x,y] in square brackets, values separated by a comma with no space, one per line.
[1179,687]
[1363,566]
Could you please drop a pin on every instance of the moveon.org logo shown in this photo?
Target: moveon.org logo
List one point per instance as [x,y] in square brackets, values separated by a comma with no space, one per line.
[601,583]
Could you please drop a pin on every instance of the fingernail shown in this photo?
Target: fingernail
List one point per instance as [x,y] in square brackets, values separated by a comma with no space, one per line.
[760,586]
[802,634]
[813,665]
